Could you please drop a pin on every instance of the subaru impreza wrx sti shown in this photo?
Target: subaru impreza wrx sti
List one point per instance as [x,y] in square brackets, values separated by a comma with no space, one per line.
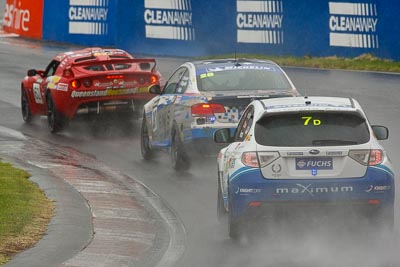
[304,152]
[203,96]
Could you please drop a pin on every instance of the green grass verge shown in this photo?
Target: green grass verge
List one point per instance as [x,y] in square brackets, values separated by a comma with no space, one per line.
[24,211]
[366,62]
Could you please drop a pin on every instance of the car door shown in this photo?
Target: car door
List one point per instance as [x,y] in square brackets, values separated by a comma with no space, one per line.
[234,151]
[162,110]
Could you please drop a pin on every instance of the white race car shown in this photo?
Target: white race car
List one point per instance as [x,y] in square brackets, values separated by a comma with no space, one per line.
[291,153]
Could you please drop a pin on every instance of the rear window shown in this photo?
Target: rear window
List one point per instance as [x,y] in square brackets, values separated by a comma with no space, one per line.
[312,129]
[260,77]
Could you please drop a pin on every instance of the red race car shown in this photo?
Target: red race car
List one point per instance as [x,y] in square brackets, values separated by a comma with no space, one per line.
[89,81]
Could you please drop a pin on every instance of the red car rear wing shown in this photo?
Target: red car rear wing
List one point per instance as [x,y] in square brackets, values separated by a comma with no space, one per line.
[118,61]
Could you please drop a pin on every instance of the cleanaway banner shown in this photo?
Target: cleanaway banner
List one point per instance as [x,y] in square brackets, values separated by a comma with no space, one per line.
[273,27]
[84,22]
[343,28]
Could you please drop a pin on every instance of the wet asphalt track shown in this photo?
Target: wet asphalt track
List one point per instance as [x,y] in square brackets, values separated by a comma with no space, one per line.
[192,195]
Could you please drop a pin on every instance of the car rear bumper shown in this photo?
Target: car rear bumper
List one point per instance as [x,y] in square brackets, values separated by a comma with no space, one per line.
[249,189]
[201,140]
[78,107]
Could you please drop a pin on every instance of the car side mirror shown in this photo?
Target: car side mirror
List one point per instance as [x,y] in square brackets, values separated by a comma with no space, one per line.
[155,89]
[223,136]
[32,72]
[381,132]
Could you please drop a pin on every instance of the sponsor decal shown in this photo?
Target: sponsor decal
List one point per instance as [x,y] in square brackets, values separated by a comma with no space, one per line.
[353,25]
[249,190]
[311,190]
[232,162]
[334,153]
[295,153]
[276,168]
[108,92]
[311,106]
[246,191]
[169,19]
[314,164]
[52,82]
[62,87]
[259,21]
[23,17]
[37,94]
[88,17]
[241,67]
[378,188]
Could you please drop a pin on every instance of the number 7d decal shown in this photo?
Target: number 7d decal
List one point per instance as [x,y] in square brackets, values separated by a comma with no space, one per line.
[309,119]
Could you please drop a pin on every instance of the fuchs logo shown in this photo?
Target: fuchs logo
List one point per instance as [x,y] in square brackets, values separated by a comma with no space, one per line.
[353,25]
[259,21]
[169,19]
[88,17]
[310,189]
[301,164]
[314,163]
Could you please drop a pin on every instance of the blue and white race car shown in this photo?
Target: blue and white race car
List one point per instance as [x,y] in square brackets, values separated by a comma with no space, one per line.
[291,154]
[203,96]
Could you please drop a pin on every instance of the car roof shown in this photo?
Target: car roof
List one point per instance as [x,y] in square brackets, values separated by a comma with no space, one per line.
[317,103]
[91,53]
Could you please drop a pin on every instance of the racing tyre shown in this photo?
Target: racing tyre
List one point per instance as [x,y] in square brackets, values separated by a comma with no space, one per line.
[221,211]
[54,118]
[144,141]
[179,158]
[25,108]
[234,226]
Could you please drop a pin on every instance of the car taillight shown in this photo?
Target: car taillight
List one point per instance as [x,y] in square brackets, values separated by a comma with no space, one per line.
[367,157]
[205,109]
[87,83]
[375,157]
[115,76]
[67,73]
[250,159]
[153,79]
[267,157]
[75,84]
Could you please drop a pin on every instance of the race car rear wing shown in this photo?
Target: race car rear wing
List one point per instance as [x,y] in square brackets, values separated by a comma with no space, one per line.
[144,63]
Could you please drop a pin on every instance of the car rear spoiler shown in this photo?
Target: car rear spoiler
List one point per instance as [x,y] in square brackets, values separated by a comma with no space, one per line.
[144,63]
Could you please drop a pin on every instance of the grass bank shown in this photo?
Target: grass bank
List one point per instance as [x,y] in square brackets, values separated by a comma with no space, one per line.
[25,211]
[365,62]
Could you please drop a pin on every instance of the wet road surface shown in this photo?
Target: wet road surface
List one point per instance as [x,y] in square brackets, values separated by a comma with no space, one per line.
[192,195]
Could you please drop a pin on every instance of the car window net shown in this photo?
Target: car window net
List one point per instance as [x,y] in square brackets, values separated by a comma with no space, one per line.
[312,129]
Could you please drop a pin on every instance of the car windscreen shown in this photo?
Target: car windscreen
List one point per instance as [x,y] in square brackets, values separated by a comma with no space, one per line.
[233,78]
[312,129]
